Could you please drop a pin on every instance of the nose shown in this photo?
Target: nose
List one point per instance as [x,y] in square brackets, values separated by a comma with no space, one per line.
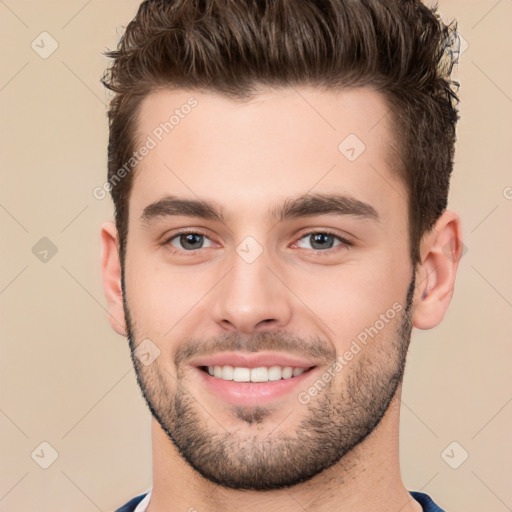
[251,297]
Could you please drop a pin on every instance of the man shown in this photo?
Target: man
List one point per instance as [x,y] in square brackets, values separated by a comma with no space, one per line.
[280,173]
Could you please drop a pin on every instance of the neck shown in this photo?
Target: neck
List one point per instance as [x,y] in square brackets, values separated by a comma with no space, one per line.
[367,478]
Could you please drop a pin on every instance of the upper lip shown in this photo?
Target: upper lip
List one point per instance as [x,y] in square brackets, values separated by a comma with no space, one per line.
[252,360]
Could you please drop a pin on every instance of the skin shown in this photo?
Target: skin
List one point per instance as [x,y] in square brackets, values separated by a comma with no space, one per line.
[249,157]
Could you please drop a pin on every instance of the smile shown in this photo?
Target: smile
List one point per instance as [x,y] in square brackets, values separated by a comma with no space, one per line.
[259,374]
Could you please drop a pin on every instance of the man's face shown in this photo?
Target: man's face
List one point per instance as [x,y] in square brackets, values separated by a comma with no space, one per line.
[326,289]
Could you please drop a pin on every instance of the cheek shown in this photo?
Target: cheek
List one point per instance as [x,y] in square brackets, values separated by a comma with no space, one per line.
[347,299]
[164,301]
[150,297]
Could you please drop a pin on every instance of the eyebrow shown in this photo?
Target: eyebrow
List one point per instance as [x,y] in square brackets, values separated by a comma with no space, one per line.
[302,206]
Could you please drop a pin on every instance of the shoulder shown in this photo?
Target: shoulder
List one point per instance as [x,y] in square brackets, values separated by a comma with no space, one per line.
[132,504]
[426,502]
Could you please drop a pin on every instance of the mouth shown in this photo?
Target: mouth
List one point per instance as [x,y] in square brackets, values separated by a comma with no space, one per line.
[254,379]
[258,374]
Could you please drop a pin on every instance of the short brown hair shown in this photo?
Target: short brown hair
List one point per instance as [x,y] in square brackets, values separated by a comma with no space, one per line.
[401,48]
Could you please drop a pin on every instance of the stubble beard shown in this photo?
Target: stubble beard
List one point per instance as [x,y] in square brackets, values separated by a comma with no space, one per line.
[332,424]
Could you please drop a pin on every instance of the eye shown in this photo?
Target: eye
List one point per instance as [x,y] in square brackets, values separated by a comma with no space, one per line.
[322,240]
[188,241]
[319,241]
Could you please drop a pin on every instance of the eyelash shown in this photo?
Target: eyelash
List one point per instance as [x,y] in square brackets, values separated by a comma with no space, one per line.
[173,250]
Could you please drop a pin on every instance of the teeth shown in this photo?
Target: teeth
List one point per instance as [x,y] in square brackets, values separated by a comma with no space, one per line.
[286,372]
[228,372]
[260,374]
[239,374]
[274,373]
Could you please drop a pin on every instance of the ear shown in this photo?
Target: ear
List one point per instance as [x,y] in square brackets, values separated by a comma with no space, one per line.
[111,273]
[440,250]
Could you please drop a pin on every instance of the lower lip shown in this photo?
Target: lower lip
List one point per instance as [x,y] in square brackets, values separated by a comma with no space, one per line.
[253,393]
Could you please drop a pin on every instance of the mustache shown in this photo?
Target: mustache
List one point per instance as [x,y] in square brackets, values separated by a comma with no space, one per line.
[312,347]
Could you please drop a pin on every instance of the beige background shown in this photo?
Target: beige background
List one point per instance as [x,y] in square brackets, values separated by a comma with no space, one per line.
[66,377]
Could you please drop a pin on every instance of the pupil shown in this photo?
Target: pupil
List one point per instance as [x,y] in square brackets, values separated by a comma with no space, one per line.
[321,238]
[190,238]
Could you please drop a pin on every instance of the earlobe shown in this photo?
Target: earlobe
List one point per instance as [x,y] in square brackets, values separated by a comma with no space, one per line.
[441,250]
[111,274]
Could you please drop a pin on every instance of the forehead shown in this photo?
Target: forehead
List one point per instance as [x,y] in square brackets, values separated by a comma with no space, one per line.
[279,143]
